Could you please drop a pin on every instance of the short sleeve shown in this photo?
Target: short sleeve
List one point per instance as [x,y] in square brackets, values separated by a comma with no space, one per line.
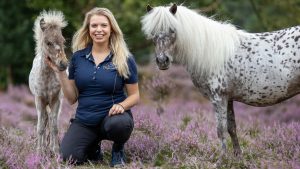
[72,68]
[133,76]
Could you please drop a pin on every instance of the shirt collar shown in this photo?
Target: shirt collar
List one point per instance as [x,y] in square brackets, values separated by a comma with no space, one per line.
[87,52]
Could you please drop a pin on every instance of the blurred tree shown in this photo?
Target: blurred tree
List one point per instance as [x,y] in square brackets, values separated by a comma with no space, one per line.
[260,16]
[16,42]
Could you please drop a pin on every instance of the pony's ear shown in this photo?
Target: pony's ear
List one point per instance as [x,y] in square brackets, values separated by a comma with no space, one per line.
[173,9]
[149,8]
[42,24]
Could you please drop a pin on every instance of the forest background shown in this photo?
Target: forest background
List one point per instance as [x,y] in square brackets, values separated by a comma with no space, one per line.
[17,17]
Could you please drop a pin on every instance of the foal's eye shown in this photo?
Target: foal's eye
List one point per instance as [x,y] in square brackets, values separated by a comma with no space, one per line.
[49,43]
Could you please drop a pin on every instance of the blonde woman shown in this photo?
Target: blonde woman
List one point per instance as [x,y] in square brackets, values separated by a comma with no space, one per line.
[100,68]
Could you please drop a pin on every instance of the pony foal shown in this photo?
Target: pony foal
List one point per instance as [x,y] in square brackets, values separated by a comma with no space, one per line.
[226,64]
[43,82]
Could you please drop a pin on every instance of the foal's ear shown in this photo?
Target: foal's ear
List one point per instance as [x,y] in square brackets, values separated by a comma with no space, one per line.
[173,9]
[149,8]
[42,24]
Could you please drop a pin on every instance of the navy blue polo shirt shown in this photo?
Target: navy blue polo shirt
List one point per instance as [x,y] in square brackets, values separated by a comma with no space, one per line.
[99,86]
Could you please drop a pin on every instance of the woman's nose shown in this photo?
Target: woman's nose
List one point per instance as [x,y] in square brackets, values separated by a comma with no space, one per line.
[99,28]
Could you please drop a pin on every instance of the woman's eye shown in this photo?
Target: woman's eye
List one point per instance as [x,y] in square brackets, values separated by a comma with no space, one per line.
[49,43]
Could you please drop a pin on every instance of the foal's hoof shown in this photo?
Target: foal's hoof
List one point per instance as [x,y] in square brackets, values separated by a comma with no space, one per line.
[238,154]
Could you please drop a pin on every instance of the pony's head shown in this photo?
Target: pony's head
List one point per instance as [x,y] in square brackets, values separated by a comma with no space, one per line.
[202,44]
[162,30]
[48,29]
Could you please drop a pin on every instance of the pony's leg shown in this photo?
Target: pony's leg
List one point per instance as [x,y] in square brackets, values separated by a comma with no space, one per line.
[41,124]
[220,108]
[53,115]
[232,129]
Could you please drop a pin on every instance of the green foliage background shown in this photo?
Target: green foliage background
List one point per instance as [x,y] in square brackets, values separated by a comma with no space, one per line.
[17,17]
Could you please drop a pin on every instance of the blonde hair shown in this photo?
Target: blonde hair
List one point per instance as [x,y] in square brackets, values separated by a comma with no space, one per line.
[117,43]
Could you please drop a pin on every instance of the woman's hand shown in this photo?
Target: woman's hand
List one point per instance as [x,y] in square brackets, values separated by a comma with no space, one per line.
[116,109]
[51,64]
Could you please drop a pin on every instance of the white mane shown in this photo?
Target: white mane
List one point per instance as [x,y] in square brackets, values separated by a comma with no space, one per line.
[55,18]
[201,43]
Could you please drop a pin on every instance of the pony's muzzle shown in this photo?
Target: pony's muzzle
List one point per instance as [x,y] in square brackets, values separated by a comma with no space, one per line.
[62,65]
[163,62]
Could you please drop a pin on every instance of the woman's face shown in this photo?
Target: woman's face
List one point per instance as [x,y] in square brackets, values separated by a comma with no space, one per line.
[100,29]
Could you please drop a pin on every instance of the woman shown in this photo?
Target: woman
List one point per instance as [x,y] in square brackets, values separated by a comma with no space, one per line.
[100,69]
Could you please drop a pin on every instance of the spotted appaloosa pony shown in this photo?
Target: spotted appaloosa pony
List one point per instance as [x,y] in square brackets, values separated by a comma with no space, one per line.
[226,64]
[43,82]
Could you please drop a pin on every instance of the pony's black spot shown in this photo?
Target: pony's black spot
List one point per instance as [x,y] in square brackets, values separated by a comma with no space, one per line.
[297,38]
[279,47]
[265,87]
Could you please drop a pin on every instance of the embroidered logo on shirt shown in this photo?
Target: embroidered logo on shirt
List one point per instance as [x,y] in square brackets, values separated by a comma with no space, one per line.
[109,66]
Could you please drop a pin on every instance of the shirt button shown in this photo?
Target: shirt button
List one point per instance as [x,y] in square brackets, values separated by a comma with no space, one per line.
[94,78]
[95,72]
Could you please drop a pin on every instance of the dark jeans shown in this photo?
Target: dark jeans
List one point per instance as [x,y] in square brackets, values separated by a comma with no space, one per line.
[81,141]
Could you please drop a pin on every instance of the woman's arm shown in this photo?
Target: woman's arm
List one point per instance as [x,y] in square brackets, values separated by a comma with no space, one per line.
[68,86]
[132,99]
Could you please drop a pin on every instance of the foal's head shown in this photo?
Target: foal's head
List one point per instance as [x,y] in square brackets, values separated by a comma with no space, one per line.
[164,41]
[53,44]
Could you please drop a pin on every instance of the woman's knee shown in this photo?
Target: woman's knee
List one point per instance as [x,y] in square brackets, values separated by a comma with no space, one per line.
[121,122]
[119,127]
[73,156]
[76,142]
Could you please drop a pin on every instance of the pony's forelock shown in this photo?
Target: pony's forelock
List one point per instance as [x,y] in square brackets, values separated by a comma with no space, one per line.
[157,20]
[203,44]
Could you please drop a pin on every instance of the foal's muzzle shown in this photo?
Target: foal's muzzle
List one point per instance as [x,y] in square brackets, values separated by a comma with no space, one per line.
[62,65]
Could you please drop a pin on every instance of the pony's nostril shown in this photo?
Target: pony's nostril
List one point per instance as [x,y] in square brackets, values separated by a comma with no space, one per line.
[167,59]
[157,60]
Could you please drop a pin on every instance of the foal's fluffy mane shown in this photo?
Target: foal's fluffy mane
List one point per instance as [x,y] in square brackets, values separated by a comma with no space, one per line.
[203,44]
[53,18]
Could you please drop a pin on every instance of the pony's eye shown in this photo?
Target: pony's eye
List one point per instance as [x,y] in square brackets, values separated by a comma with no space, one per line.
[172,31]
[154,40]
[49,43]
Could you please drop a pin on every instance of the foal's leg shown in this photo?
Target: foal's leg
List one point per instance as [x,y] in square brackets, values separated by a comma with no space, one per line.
[41,124]
[232,129]
[53,120]
[220,108]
